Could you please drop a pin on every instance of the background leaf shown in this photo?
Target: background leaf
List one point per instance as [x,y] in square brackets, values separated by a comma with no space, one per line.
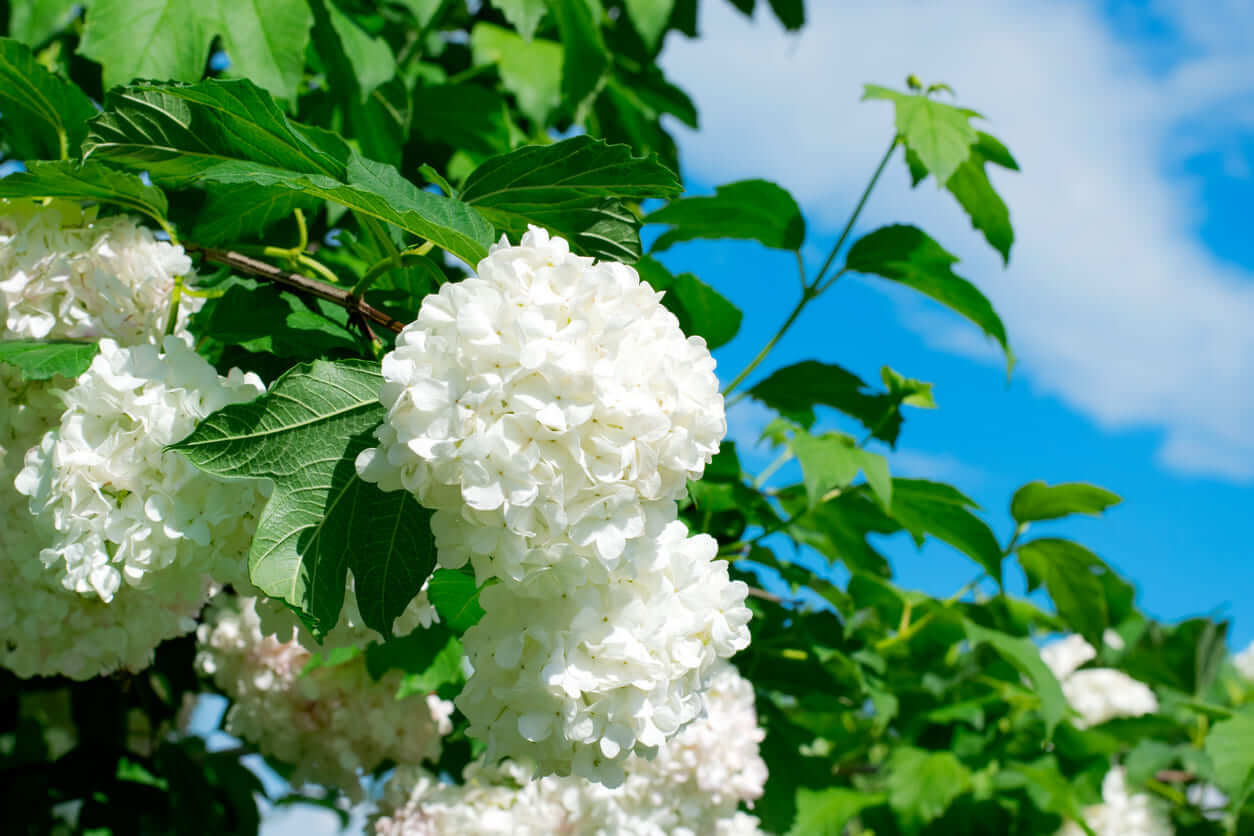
[1068,571]
[45,115]
[38,360]
[702,311]
[932,508]
[1039,501]
[754,210]
[584,56]
[530,69]
[456,598]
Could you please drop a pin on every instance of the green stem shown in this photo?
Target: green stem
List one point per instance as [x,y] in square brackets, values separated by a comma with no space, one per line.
[175,295]
[302,230]
[317,267]
[769,471]
[857,210]
[806,296]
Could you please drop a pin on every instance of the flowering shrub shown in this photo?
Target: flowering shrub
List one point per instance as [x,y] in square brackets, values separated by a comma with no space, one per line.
[478,537]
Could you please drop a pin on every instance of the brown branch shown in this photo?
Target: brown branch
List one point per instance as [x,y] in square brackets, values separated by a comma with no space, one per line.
[754,592]
[297,282]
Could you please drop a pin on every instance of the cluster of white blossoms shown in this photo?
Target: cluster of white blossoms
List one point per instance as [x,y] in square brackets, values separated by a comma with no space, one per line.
[691,788]
[1096,694]
[550,410]
[67,275]
[123,540]
[1123,813]
[330,722]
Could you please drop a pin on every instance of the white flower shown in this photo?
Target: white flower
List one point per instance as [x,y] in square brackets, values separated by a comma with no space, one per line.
[331,722]
[549,395]
[1096,694]
[575,676]
[66,275]
[1244,662]
[691,788]
[120,543]
[1122,813]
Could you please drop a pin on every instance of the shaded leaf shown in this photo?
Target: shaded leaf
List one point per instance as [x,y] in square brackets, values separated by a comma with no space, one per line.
[369,57]
[702,311]
[1026,657]
[931,508]
[922,784]
[244,210]
[584,56]
[456,598]
[908,255]
[649,18]
[90,181]
[45,115]
[34,21]
[753,210]
[321,520]
[263,318]
[1070,574]
[468,117]
[826,812]
[1039,501]
[40,360]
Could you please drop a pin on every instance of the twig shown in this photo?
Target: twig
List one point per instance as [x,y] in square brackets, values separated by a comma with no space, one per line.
[303,284]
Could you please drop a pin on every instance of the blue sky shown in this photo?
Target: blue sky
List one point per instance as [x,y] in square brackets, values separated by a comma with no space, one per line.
[1130,294]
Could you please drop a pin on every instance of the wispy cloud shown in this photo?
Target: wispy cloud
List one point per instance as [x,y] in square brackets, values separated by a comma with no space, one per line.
[1111,300]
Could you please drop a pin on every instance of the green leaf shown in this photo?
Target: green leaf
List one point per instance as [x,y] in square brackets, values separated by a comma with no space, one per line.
[908,255]
[90,181]
[939,134]
[1147,758]
[413,653]
[832,460]
[467,117]
[649,18]
[369,58]
[970,186]
[232,133]
[1070,574]
[523,15]
[1039,501]
[930,508]
[530,69]
[826,812]
[44,115]
[424,11]
[752,210]
[922,784]
[1026,657]
[266,40]
[584,56]
[701,310]
[795,390]
[791,13]
[456,598]
[574,187]
[262,318]
[149,38]
[34,21]
[1230,746]
[243,211]
[39,360]
[321,520]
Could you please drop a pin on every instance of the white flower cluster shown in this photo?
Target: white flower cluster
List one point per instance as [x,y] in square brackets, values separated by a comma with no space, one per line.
[692,787]
[1096,694]
[550,410]
[1123,813]
[120,540]
[330,722]
[66,275]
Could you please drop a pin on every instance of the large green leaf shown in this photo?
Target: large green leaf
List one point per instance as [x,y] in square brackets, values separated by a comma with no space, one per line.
[931,508]
[1026,657]
[45,115]
[244,211]
[523,15]
[169,39]
[1039,501]
[574,187]
[908,255]
[90,181]
[753,210]
[939,134]
[701,310]
[795,390]
[369,58]
[39,360]
[530,69]
[585,59]
[233,133]
[304,435]
[1070,574]
[467,117]
[826,812]
[922,784]
[34,21]
[456,598]
[1230,746]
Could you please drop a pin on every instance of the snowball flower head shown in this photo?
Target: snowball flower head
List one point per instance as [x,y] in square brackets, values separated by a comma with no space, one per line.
[549,395]
[691,788]
[66,275]
[577,677]
[1096,694]
[120,542]
[331,722]
[1123,813]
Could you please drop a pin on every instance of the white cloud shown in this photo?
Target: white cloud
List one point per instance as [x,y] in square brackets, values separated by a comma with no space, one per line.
[1111,301]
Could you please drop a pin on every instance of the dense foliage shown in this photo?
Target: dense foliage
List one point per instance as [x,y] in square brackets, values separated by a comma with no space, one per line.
[334,167]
